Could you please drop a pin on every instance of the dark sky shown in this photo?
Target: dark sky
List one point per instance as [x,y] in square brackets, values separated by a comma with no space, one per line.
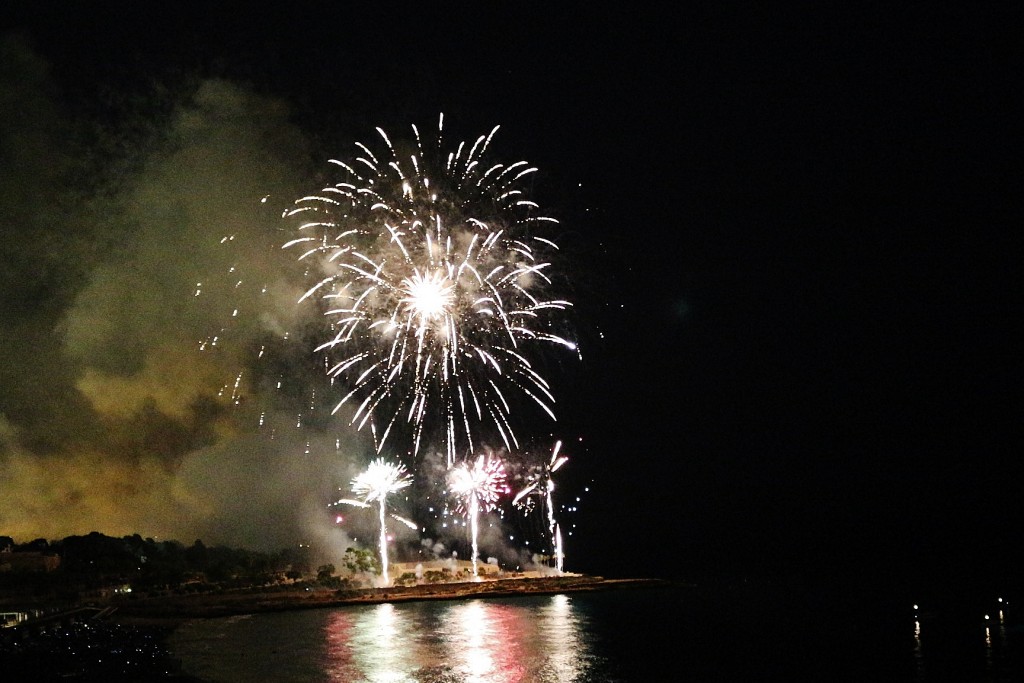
[793,235]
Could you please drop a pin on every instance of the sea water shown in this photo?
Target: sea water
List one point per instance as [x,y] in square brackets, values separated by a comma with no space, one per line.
[653,634]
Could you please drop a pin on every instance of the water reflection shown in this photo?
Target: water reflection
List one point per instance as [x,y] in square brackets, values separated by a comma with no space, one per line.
[484,641]
[478,641]
[995,639]
[918,654]
[377,644]
[560,625]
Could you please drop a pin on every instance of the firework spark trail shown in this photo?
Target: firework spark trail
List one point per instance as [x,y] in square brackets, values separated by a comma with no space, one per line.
[559,552]
[544,484]
[478,487]
[374,485]
[261,341]
[435,288]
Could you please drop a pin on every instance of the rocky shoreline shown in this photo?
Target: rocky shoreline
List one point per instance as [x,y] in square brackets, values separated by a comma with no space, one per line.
[181,607]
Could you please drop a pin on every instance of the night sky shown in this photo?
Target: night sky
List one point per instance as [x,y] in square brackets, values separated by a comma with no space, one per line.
[793,236]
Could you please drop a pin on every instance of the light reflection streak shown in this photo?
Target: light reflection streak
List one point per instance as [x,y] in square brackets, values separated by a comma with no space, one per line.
[918,652]
[988,647]
[386,651]
[477,641]
[473,641]
[491,642]
[338,634]
[995,643]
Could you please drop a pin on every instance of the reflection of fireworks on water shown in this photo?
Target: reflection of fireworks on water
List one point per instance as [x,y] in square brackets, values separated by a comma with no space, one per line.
[374,484]
[542,484]
[477,487]
[434,285]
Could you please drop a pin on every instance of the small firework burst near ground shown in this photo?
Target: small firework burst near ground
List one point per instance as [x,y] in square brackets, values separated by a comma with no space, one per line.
[375,484]
[477,485]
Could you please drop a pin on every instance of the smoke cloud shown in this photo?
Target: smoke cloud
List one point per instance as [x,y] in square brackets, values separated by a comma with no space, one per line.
[134,304]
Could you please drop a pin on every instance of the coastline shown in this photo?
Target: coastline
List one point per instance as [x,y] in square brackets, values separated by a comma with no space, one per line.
[170,609]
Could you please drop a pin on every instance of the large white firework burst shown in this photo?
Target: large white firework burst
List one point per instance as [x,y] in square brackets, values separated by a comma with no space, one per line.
[434,282]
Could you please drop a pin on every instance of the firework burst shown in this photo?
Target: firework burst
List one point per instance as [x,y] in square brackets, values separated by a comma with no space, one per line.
[375,484]
[433,277]
[477,486]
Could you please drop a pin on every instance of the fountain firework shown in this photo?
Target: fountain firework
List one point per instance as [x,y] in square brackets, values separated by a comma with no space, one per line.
[543,484]
[374,485]
[435,285]
[477,487]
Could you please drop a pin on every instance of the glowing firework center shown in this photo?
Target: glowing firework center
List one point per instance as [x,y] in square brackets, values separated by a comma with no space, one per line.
[429,298]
